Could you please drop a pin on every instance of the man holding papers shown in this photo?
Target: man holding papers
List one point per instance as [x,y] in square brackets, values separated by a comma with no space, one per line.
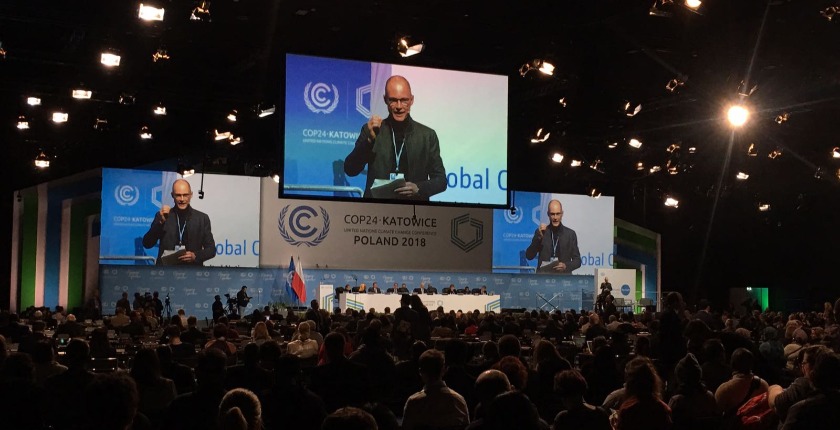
[402,155]
[184,233]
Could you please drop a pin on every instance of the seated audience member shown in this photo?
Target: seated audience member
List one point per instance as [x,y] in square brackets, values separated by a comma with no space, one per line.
[821,409]
[304,347]
[488,385]
[691,401]
[180,350]
[260,333]
[643,407]
[349,418]
[794,349]
[150,320]
[182,315]
[71,327]
[120,319]
[743,384]
[716,370]
[547,362]
[180,374]
[193,335]
[249,374]
[801,388]
[135,328]
[156,392]
[22,406]
[100,345]
[64,406]
[43,357]
[570,386]
[289,404]
[513,410]
[112,403]
[198,410]
[436,406]
[220,342]
[240,409]
[339,381]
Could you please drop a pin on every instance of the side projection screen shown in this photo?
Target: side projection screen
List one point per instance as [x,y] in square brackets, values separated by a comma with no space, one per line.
[394,133]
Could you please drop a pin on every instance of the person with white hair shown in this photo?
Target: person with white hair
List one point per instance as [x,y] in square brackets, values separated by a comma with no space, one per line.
[304,346]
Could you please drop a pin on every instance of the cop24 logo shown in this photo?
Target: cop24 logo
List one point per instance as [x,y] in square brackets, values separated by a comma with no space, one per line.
[513,216]
[320,98]
[300,229]
[467,233]
[126,195]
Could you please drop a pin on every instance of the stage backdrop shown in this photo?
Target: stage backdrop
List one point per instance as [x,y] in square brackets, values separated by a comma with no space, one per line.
[591,219]
[623,283]
[193,289]
[373,236]
[130,199]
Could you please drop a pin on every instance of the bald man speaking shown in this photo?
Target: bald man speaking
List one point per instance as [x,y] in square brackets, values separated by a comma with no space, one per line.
[399,147]
[181,228]
[555,244]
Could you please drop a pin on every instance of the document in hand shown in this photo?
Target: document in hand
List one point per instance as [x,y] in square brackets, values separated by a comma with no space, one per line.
[170,257]
[384,188]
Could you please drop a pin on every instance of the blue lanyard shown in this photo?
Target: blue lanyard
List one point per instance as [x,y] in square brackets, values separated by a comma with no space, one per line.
[402,146]
[181,230]
[554,242]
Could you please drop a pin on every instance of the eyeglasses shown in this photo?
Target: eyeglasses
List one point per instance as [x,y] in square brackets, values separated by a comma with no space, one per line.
[394,102]
[181,196]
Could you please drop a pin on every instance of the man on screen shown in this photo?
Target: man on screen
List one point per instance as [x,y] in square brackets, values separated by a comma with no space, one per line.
[187,233]
[399,147]
[555,244]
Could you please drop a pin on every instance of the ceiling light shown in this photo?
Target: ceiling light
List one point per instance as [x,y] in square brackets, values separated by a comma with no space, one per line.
[160,110]
[763,207]
[59,117]
[557,157]
[594,193]
[127,99]
[100,124]
[596,165]
[673,84]
[266,110]
[838,173]
[692,150]
[562,101]
[775,154]
[42,161]
[160,54]
[640,166]
[232,116]
[546,68]
[672,148]
[612,145]
[2,51]
[671,202]
[830,12]
[635,143]
[145,133]
[33,101]
[657,10]
[82,94]
[201,12]
[275,177]
[225,135]
[737,115]
[782,118]
[693,4]
[741,176]
[22,123]
[542,66]
[109,60]
[576,163]
[234,140]
[150,13]
[751,151]
[655,169]
[185,170]
[818,174]
[673,170]
[539,137]
[631,109]
[835,153]
[743,91]
[406,47]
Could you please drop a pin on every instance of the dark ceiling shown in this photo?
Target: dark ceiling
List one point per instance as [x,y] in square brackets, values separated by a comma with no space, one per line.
[606,53]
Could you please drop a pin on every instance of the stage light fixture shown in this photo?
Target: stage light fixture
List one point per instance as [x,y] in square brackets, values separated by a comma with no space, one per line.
[743,91]
[150,13]
[835,153]
[640,166]
[782,118]
[407,47]
[2,51]
[751,151]
[109,59]
[127,99]
[635,143]
[673,84]
[100,124]
[830,12]
[594,193]
[59,117]
[232,116]
[42,161]
[575,163]
[818,174]
[737,115]
[160,54]
[671,202]
[225,135]
[542,66]
[692,150]
[612,145]
[275,177]
[837,173]
[763,207]
[596,166]
[562,101]
[234,140]
[632,109]
[539,137]
[81,94]
[557,157]
[672,148]
[741,176]
[22,123]
[201,12]
[185,170]
[693,4]
[775,154]
[266,110]
[145,133]
[33,101]
[657,9]
[655,169]
[159,110]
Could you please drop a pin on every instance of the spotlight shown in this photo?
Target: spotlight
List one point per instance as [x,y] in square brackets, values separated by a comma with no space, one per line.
[693,4]
[201,12]
[596,165]
[743,91]
[635,143]
[266,110]
[775,154]
[145,133]
[557,157]
[542,66]
[33,101]
[42,161]
[109,60]
[127,99]
[655,169]
[612,145]
[2,51]
[82,94]
[763,207]
[275,177]
[830,12]
[741,176]
[835,153]
[673,84]
[562,102]
[674,147]
[539,137]
[406,47]
[59,117]
[671,202]
[160,54]
[657,9]
[751,151]
[631,109]
[159,110]
[232,116]
[594,193]
[150,13]
[234,140]
[692,150]
[640,166]
[576,163]
[100,124]
[782,118]
[185,170]
[818,174]
[22,123]
[737,115]
[225,135]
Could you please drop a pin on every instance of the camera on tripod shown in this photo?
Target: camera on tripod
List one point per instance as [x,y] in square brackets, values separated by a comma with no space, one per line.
[166,301]
[231,301]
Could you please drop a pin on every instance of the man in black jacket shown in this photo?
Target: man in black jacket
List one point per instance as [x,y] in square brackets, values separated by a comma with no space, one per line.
[189,230]
[555,244]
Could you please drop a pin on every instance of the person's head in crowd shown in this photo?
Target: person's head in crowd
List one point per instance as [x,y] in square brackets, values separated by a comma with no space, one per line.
[304,331]
[172,332]
[270,351]
[490,350]
[192,321]
[509,346]
[18,367]
[512,410]
[826,373]
[742,361]
[42,353]
[111,401]
[743,332]
[220,330]
[431,365]
[456,353]
[261,331]
[641,379]
[714,351]
[71,318]
[808,358]
[642,346]
[210,368]
[146,367]
[177,322]
[570,385]
[516,372]
[251,355]
[287,371]
[416,350]
[240,409]
[490,384]
[800,337]
[76,354]
[689,375]
[674,301]
[349,418]
[334,346]
[545,351]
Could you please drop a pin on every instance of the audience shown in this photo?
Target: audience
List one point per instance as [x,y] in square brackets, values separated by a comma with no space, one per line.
[435,406]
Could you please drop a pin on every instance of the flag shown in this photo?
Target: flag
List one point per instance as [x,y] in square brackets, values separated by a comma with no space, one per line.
[295,286]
